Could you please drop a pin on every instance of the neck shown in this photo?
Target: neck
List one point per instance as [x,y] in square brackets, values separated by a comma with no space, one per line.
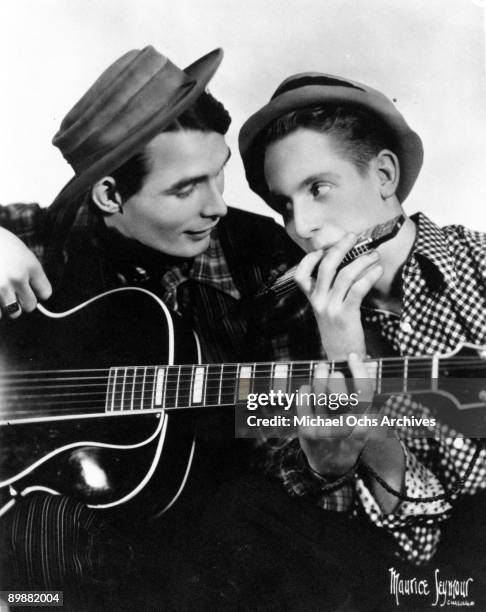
[127,250]
[393,255]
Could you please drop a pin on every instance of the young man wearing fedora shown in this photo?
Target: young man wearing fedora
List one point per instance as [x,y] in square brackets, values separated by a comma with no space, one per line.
[145,208]
[337,158]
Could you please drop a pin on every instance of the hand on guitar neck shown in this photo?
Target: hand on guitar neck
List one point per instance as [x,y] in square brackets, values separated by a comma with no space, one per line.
[333,451]
[336,296]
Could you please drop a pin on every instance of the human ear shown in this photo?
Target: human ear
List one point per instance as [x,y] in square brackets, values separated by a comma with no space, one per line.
[106,197]
[388,171]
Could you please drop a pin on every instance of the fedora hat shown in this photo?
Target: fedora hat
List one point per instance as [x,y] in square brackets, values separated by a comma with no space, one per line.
[315,89]
[132,101]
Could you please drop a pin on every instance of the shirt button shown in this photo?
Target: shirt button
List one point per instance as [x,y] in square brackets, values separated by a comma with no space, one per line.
[458,443]
[406,327]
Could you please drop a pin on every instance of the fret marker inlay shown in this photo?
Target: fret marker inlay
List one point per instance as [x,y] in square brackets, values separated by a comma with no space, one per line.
[159,386]
[281,371]
[245,383]
[198,387]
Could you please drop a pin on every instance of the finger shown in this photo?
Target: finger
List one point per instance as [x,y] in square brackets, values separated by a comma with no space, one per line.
[26,298]
[333,257]
[337,397]
[303,406]
[362,286]
[303,274]
[40,284]
[364,378]
[8,299]
[336,383]
[338,393]
[357,366]
[352,273]
[321,372]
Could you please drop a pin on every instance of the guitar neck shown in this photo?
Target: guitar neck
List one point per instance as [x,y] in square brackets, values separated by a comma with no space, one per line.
[50,395]
[190,386]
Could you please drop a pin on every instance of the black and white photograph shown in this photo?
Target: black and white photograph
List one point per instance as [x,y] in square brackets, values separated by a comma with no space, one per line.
[243,305]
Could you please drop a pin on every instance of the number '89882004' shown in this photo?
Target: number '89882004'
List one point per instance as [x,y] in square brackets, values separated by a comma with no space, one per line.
[32,598]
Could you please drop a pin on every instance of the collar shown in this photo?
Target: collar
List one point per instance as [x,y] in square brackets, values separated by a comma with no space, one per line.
[431,251]
[138,263]
[211,268]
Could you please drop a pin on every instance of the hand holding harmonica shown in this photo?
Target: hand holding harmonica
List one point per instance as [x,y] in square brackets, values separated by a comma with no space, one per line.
[336,294]
[365,242]
[335,281]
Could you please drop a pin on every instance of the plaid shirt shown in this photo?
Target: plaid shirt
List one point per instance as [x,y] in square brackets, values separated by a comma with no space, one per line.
[443,304]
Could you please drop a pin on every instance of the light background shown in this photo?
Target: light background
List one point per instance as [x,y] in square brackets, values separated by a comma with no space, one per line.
[429,54]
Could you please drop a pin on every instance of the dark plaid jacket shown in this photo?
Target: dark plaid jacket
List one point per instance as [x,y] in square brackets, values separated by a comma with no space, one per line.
[215,292]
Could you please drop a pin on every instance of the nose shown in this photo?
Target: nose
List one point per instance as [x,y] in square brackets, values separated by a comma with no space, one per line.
[306,218]
[214,204]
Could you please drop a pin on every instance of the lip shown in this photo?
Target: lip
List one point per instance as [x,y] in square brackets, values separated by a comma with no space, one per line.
[319,247]
[203,232]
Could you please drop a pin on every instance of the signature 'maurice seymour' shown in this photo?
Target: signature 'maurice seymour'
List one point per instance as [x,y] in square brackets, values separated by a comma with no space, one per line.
[446,591]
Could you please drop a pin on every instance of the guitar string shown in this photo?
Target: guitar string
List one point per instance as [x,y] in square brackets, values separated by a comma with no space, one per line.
[129,395]
[179,378]
[133,379]
[385,360]
[94,410]
[131,399]
[77,405]
[135,391]
[135,387]
[390,364]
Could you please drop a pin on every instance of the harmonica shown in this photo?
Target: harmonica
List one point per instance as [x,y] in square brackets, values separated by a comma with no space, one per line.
[366,242]
[372,238]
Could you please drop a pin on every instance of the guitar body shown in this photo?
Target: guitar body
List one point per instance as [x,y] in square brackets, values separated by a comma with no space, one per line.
[125,461]
[92,405]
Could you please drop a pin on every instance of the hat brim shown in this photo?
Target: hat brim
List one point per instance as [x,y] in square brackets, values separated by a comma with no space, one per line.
[201,72]
[409,147]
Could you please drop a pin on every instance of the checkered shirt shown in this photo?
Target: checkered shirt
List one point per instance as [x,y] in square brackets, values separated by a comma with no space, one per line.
[443,304]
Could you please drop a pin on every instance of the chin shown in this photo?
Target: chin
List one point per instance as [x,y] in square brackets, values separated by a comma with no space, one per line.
[186,249]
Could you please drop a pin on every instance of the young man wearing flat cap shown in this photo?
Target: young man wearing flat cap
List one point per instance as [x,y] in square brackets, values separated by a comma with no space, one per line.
[336,158]
[145,208]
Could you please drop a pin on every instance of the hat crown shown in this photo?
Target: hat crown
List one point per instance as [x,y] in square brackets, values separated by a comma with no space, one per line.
[128,93]
[304,79]
[133,100]
[312,89]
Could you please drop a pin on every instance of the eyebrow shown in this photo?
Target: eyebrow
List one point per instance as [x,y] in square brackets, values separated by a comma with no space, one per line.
[191,180]
[313,178]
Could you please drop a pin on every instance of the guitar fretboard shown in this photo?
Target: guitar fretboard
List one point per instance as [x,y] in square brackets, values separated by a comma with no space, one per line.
[46,395]
[182,386]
